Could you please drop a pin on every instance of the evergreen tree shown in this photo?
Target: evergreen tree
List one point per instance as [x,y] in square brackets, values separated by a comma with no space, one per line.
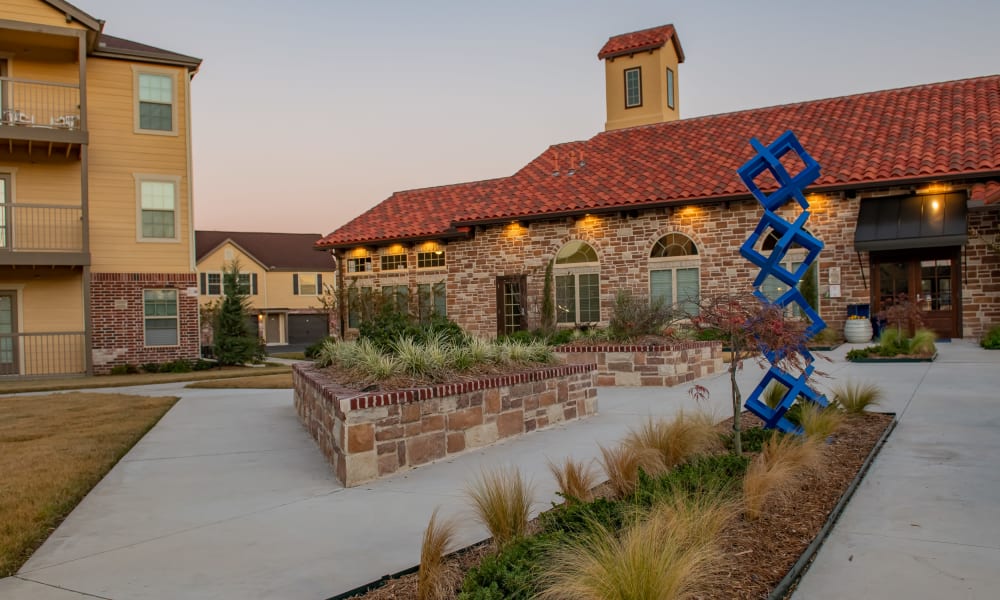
[234,343]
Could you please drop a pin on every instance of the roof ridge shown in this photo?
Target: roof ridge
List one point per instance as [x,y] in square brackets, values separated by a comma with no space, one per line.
[227,231]
[773,107]
[449,185]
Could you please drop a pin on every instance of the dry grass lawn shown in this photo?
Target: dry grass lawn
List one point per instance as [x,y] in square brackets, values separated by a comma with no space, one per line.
[282,381]
[53,450]
[102,381]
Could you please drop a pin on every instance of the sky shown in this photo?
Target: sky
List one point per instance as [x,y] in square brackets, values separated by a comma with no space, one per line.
[306,113]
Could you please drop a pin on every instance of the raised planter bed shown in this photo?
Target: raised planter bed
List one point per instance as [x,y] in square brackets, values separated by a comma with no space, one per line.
[895,359]
[372,434]
[647,365]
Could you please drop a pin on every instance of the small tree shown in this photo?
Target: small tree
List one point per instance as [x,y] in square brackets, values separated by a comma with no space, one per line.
[750,325]
[233,343]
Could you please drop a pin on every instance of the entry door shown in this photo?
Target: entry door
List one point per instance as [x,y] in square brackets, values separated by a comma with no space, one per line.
[8,327]
[272,328]
[511,293]
[930,277]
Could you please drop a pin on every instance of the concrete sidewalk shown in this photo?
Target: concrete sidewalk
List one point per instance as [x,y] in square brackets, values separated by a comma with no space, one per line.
[228,497]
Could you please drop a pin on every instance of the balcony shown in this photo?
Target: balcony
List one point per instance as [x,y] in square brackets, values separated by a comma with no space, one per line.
[42,234]
[42,354]
[40,118]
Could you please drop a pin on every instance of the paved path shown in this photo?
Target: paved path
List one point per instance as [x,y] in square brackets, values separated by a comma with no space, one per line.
[227,497]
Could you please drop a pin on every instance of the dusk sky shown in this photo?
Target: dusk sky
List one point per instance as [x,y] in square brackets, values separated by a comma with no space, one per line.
[307,112]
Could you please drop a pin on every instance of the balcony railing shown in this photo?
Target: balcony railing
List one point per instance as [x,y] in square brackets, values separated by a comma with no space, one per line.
[41,354]
[27,103]
[40,228]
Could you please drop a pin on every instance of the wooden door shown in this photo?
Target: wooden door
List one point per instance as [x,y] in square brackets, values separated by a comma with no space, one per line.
[930,277]
[511,313]
[8,328]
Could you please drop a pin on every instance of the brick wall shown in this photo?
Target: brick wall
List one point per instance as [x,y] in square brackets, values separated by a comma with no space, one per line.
[116,304]
[627,365]
[371,435]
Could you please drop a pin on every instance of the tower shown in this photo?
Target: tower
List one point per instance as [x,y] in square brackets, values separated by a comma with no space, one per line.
[640,74]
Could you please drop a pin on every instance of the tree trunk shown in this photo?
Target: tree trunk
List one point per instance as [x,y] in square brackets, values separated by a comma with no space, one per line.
[737,407]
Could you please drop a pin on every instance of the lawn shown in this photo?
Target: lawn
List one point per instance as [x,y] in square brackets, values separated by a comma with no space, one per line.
[105,381]
[290,355]
[278,381]
[53,450]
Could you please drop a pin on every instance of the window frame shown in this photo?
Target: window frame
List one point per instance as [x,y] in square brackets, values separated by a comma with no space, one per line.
[436,258]
[389,259]
[352,262]
[692,260]
[209,284]
[671,92]
[638,72]
[315,284]
[574,271]
[157,72]
[175,181]
[176,318]
[437,300]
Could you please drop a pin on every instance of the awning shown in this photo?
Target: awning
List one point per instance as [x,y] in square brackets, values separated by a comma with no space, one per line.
[912,222]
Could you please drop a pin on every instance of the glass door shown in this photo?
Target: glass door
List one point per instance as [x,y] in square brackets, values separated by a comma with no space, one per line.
[511,316]
[929,278]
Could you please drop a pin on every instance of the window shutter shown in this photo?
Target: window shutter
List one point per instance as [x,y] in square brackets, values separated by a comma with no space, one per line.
[204,283]
[253,284]
[295,283]
[319,284]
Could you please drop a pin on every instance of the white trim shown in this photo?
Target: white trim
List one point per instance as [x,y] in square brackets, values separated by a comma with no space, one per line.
[177,317]
[173,179]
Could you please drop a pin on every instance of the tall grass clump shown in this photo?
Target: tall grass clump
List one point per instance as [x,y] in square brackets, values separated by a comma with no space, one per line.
[855,397]
[774,394]
[433,577]
[678,439]
[657,558]
[820,422]
[621,464]
[502,501]
[575,479]
[922,342]
[773,472]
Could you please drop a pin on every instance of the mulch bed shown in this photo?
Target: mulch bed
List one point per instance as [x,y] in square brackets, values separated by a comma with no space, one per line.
[352,380]
[758,554]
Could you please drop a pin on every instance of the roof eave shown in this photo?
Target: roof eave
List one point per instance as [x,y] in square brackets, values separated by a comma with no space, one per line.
[76,14]
[448,235]
[190,62]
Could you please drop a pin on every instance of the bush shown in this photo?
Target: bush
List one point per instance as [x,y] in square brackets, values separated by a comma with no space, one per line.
[705,476]
[181,365]
[677,439]
[636,316]
[124,369]
[502,501]
[991,341]
[151,368]
[753,439]
[513,573]
[312,350]
[203,365]
[854,397]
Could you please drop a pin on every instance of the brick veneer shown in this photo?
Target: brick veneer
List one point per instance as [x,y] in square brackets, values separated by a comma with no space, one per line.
[370,435]
[630,365]
[117,320]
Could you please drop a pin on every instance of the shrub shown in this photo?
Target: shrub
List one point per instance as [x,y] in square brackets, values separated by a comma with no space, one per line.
[820,422]
[676,440]
[855,397]
[753,438]
[581,517]
[181,365]
[433,576]
[203,365]
[151,368]
[636,316]
[704,476]
[312,350]
[502,501]
[658,557]
[575,480]
[922,342]
[127,369]
[511,574]
[234,343]
[623,463]
[991,341]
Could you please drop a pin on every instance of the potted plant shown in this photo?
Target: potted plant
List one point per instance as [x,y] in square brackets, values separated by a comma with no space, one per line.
[857,330]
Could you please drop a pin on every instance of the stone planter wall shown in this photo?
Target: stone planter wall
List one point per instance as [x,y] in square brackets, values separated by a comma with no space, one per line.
[632,365]
[368,435]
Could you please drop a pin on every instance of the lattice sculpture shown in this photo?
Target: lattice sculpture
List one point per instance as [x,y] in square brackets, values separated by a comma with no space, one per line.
[790,234]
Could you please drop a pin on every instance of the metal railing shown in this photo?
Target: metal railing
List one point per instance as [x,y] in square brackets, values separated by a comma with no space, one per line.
[41,354]
[41,228]
[27,103]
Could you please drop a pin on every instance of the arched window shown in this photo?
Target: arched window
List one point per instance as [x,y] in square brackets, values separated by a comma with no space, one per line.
[578,284]
[773,287]
[675,272]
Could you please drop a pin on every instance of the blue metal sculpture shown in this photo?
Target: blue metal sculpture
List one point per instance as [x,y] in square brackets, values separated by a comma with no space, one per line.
[789,234]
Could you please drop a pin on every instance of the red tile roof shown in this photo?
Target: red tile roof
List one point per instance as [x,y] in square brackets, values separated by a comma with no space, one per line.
[273,250]
[639,41]
[921,133]
[986,193]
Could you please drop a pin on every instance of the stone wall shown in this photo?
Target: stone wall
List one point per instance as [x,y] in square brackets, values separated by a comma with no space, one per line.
[371,435]
[981,280]
[118,322]
[631,365]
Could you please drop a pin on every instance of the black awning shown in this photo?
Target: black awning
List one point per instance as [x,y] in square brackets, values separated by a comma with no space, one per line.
[912,222]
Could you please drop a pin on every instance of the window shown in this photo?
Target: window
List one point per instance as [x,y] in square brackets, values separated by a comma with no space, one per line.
[431,300]
[157,208]
[675,273]
[160,310]
[247,283]
[156,102]
[772,287]
[393,262]
[670,88]
[307,284]
[214,284]
[398,296]
[358,300]
[633,87]
[431,256]
[359,264]
[577,279]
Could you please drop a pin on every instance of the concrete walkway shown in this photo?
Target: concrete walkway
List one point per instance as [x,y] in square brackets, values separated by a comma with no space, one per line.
[227,497]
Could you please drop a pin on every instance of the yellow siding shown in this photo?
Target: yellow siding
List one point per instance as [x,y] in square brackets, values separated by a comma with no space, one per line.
[47,71]
[35,11]
[654,88]
[117,154]
[52,301]
[274,288]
